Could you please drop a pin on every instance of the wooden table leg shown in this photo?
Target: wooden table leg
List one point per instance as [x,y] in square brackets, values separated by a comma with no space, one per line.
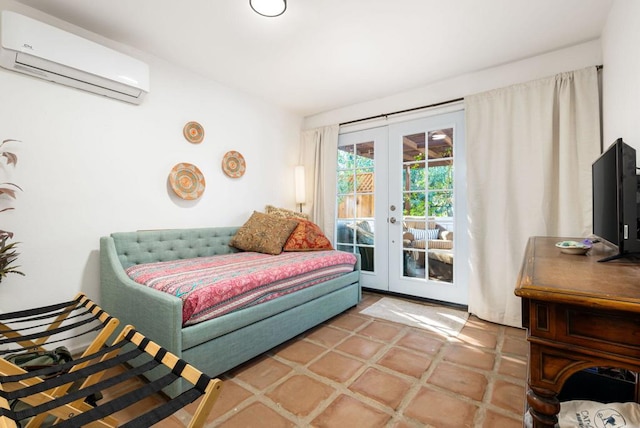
[543,406]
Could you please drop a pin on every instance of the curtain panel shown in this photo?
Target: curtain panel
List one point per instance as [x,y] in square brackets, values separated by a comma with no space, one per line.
[529,154]
[318,154]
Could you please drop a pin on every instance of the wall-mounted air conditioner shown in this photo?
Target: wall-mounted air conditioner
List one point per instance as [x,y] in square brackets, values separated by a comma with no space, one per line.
[41,50]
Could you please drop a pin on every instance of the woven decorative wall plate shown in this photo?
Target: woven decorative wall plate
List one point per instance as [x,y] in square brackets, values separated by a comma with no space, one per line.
[233,164]
[187,181]
[193,132]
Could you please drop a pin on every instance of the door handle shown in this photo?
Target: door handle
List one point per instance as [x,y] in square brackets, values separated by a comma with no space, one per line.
[392,220]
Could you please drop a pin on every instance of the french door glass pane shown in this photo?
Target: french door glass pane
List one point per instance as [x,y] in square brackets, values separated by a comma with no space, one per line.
[441,203]
[356,201]
[427,187]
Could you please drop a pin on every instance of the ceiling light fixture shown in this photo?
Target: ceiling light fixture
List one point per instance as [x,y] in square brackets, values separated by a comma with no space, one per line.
[438,136]
[270,8]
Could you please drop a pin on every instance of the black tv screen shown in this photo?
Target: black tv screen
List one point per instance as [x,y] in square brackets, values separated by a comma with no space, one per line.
[615,199]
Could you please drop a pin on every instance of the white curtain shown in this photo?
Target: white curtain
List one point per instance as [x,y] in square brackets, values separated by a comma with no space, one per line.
[318,154]
[529,154]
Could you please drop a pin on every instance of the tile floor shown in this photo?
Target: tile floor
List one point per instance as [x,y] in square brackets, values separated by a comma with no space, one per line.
[359,371]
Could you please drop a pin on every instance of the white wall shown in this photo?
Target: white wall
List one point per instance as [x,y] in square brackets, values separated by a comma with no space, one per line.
[616,50]
[621,74]
[91,165]
[573,58]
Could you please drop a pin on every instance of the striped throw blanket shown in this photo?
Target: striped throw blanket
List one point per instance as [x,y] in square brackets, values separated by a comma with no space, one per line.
[213,286]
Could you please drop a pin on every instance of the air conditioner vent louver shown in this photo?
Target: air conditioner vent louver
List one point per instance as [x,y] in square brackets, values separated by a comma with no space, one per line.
[38,49]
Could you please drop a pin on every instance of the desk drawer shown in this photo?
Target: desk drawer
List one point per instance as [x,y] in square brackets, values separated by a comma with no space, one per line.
[615,332]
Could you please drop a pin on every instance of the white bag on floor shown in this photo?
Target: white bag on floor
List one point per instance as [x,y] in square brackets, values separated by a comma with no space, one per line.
[591,414]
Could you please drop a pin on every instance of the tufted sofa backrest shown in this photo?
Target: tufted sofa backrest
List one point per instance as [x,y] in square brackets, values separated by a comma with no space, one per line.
[151,246]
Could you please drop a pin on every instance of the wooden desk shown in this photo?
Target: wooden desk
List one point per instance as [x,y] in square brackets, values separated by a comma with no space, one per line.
[579,314]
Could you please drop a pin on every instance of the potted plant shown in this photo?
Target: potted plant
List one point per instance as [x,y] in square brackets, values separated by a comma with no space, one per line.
[8,253]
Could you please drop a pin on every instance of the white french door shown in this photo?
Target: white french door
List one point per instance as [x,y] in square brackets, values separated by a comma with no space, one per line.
[401,200]
[362,200]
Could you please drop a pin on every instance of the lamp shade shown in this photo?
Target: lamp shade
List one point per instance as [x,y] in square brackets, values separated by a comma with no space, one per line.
[301,195]
[268,8]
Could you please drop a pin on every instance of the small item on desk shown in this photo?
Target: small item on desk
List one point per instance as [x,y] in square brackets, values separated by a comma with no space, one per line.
[574,247]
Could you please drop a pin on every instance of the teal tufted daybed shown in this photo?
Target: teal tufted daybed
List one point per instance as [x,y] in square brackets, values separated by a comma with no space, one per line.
[219,344]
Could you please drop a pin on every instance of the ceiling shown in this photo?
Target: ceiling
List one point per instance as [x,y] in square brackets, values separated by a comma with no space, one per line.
[326,54]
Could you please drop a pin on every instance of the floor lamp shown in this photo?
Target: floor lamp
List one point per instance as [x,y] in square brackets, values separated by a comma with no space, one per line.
[300,186]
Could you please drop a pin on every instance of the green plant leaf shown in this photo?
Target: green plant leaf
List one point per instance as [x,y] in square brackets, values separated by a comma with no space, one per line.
[8,255]
[11,184]
[11,158]
[9,192]
[4,234]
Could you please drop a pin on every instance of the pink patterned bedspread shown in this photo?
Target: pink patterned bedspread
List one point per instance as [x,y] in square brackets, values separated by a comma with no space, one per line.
[213,286]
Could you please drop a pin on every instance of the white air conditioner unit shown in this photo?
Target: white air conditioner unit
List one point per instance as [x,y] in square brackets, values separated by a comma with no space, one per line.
[41,50]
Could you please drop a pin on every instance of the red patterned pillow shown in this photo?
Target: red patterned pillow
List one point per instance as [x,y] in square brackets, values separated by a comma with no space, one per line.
[307,237]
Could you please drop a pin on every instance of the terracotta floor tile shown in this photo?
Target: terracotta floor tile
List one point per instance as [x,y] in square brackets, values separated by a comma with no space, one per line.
[263,372]
[508,396]
[382,387]
[348,322]
[354,371]
[459,380]
[232,394]
[513,366]
[469,356]
[515,346]
[421,341]
[170,422]
[336,367]
[359,347]
[257,415]
[475,322]
[406,424]
[300,394]
[405,361]
[381,331]
[441,410]
[300,351]
[138,408]
[327,336]
[368,299]
[518,333]
[121,387]
[348,412]
[495,420]
[477,337]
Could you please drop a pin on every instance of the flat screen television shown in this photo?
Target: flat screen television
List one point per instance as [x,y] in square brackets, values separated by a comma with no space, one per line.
[616,199]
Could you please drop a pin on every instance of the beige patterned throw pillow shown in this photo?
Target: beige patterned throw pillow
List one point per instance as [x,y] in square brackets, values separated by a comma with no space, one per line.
[284,213]
[263,233]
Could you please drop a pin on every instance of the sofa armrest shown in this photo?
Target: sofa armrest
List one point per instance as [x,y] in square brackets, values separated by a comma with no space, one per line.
[447,235]
[155,314]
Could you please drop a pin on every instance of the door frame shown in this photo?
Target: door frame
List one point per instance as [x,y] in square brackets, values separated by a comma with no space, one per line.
[451,292]
[380,279]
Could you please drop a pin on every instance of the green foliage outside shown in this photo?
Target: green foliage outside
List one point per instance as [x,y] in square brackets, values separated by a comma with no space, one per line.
[349,163]
[439,187]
